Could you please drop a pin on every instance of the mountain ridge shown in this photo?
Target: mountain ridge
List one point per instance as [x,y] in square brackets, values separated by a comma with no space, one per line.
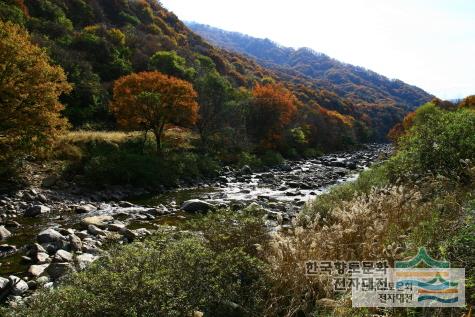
[328,72]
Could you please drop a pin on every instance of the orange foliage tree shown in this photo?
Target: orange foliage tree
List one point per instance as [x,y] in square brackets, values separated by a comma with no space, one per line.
[272,108]
[30,87]
[148,101]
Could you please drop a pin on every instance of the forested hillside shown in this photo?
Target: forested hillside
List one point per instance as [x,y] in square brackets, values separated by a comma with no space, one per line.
[358,84]
[96,42]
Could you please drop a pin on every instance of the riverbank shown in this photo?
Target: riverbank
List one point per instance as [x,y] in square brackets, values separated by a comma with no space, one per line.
[71,228]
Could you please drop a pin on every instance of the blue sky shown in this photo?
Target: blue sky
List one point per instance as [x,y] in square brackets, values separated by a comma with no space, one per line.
[427,43]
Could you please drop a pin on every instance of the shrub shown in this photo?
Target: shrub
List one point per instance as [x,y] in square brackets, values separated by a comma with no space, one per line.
[246,158]
[226,229]
[271,158]
[439,142]
[171,274]
[312,153]
[322,205]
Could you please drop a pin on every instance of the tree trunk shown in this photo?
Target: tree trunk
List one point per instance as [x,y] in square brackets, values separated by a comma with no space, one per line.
[158,137]
[158,131]
[144,141]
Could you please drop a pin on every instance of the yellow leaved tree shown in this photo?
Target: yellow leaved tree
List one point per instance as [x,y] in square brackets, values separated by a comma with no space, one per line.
[30,112]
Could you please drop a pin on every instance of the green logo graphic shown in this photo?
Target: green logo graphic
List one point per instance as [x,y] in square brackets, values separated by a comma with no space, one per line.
[421,257]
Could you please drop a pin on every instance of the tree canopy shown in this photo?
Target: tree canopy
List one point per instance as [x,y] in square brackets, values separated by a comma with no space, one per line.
[30,112]
[272,108]
[150,100]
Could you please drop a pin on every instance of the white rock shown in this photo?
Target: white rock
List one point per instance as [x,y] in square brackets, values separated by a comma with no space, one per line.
[19,286]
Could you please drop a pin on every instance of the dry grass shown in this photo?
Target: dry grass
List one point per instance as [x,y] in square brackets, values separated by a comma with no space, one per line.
[101,136]
[175,137]
[380,225]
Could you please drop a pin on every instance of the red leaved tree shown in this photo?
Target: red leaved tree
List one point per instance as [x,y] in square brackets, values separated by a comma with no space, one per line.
[272,109]
[148,101]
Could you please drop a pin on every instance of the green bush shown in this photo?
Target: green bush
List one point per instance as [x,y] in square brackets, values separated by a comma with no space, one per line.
[460,250]
[10,12]
[228,229]
[246,158]
[172,64]
[134,162]
[170,274]
[439,142]
[271,158]
[312,153]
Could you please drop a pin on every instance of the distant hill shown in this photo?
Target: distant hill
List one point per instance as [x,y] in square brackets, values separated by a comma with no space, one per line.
[355,83]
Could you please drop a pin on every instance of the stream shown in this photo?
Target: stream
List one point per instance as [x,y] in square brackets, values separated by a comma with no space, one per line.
[282,190]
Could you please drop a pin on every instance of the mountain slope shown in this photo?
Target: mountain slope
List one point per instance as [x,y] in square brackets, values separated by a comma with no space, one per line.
[356,83]
[98,41]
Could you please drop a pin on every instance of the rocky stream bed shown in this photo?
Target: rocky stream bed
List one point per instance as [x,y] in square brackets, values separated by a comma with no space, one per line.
[48,232]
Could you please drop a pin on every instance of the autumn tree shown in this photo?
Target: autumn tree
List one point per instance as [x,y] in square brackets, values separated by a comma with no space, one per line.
[272,108]
[148,101]
[29,90]
[468,102]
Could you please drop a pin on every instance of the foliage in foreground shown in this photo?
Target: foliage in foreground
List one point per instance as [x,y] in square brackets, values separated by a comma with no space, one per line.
[172,274]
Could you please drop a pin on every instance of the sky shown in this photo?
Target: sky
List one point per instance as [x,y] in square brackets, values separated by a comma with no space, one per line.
[427,43]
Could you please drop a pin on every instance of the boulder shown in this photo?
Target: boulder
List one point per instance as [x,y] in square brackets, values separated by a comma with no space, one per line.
[196,206]
[36,210]
[84,260]
[84,209]
[129,234]
[37,270]
[126,204]
[4,233]
[142,232]
[34,249]
[96,231]
[245,170]
[41,257]
[4,283]
[286,168]
[62,256]
[6,250]
[351,165]
[49,236]
[98,221]
[116,226]
[19,286]
[75,242]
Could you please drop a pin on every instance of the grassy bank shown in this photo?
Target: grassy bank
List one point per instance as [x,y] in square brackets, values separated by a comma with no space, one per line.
[102,158]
